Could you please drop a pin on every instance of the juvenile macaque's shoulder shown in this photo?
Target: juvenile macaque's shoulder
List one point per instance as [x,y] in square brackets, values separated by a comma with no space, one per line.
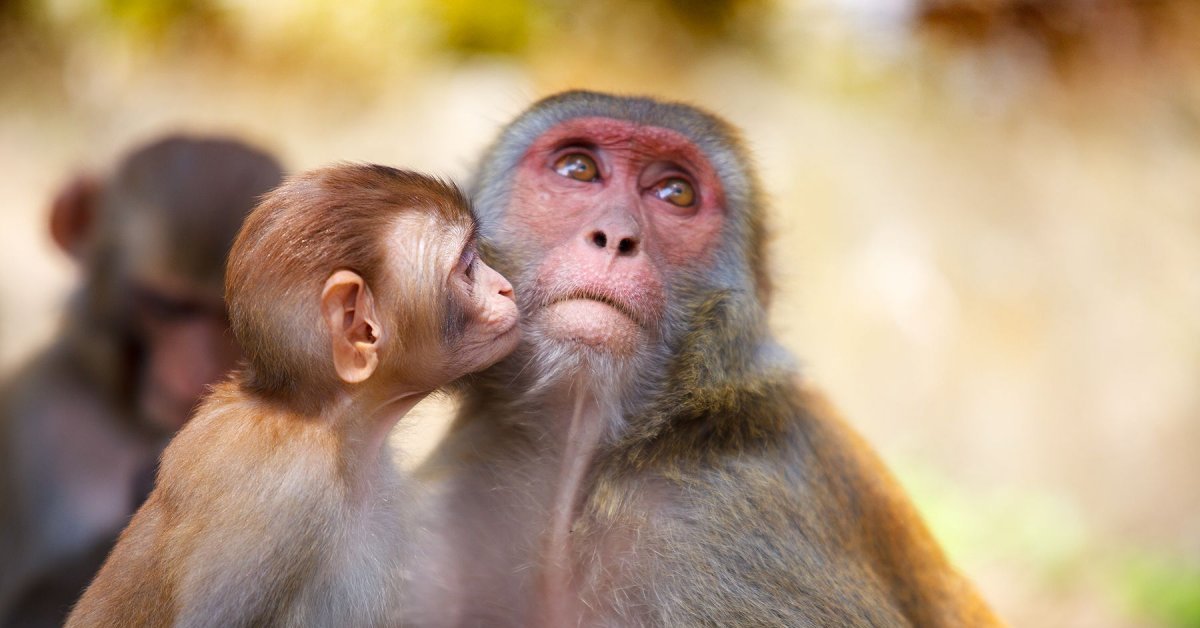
[235,445]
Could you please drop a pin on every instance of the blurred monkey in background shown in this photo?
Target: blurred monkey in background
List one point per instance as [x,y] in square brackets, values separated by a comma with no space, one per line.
[83,422]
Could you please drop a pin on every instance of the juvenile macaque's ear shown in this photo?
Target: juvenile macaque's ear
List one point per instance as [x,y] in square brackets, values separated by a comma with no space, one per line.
[349,313]
[73,214]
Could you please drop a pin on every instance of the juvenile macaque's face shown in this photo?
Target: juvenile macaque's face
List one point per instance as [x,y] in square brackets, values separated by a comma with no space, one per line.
[441,312]
[483,298]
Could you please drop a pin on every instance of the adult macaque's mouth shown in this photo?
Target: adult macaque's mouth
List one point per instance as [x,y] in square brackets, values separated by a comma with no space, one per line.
[593,295]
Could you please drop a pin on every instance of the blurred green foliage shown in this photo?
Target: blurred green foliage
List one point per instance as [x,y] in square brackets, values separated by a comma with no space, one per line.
[155,18]
[498,26]
[1053,541]
[509,26]
[1040,530]
[1160,587]
[505,27]
[620,43]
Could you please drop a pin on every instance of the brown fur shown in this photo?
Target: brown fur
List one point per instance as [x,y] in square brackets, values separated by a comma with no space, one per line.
[322,221]
[277,508]
[725,492]
[235,529]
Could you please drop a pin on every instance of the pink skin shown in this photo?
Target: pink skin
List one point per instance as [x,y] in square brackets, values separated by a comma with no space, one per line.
[605,294]
[601,296]
[184,358]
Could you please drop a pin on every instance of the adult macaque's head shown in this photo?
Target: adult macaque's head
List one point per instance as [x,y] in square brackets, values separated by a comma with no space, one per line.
[616,217]
[364,278]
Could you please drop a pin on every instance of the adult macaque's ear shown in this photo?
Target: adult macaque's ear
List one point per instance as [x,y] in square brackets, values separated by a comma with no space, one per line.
[349,313]
[73,214]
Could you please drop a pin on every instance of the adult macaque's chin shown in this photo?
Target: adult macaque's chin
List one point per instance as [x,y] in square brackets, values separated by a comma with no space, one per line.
[594,324]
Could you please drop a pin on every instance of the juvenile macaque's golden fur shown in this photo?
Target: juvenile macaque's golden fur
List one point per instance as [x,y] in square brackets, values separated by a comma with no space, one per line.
[356,291]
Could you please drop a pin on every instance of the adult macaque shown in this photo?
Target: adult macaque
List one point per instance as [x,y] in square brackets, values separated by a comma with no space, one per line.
[83,423]
[355,292]
[649,455]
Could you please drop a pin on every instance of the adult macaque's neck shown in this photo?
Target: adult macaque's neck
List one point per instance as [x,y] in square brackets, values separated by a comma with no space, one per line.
[581,420]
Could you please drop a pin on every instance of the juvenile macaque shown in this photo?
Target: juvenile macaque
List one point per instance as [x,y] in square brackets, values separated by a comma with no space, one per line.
[355,292]
[83,422]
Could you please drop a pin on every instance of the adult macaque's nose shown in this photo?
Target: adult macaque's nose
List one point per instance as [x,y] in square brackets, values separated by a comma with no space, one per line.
[617,232]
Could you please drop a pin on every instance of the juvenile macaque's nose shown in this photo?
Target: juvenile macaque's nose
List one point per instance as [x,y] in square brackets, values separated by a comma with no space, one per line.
[497,282]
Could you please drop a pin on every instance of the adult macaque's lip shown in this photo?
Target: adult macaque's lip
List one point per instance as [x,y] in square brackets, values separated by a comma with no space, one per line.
[587,295]
[594,323]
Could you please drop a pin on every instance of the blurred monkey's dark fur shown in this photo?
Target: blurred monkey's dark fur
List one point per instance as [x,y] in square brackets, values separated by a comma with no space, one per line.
[77,455]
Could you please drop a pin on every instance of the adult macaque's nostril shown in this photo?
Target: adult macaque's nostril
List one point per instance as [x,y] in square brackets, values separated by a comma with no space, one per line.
[626,245]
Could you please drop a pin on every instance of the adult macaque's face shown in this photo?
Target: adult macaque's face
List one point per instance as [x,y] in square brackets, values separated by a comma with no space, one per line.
[609,211]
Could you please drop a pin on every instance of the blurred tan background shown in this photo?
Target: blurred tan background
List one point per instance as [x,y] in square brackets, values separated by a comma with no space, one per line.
[987,216]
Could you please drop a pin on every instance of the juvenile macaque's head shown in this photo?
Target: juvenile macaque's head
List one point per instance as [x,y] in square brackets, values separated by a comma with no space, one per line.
[359,276]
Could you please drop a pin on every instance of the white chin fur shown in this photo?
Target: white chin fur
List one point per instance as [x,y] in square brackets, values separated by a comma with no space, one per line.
[595,326]
[560,349]
[579,352]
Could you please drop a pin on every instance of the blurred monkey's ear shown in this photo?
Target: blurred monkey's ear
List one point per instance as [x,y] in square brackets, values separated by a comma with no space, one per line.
[73,214]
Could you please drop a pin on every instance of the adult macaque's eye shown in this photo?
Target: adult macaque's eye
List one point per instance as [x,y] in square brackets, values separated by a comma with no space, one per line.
[577,166]
[675,191]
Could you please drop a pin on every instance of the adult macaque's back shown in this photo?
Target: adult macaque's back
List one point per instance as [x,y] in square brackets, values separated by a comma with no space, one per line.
[649,454]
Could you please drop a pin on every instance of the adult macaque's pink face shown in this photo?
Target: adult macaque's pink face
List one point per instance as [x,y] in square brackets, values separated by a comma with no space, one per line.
[612,210]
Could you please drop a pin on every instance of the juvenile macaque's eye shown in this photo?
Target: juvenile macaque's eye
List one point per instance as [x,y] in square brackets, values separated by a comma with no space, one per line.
[675,191]
[577,166]
[467,263]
